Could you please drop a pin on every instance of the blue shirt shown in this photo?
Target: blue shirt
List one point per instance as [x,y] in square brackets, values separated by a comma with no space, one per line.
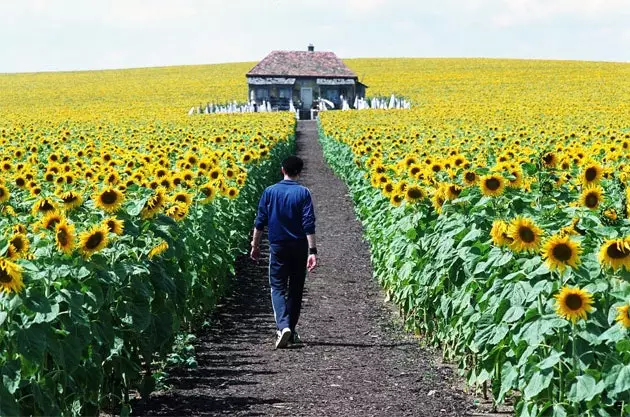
[287,209]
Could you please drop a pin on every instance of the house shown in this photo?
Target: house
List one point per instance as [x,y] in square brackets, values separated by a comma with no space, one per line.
[305,77]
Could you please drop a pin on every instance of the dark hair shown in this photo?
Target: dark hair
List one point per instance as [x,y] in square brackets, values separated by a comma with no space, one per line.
[292,166]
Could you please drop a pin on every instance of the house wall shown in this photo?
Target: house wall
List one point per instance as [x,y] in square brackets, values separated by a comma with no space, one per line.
[272,92]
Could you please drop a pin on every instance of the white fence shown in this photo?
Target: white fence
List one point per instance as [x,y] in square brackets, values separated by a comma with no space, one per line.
[360,103]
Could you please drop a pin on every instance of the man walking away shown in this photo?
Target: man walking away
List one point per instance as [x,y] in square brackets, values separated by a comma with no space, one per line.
[286,208]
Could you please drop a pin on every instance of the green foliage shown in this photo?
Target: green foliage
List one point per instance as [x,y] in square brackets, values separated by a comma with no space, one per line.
[492,310]
[84,333]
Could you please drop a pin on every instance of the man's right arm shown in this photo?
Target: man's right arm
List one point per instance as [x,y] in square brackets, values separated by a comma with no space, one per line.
[262,219]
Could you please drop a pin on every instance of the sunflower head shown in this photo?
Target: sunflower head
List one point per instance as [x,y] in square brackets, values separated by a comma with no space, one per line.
[414,193]
[50,220]
[561,251]
[492,185]
[43,206]
[4,193]
[71,199]
[209,192]
[525,234]
[573,303]
[623,316]
[93,240]
[592,197]
[64,237]
[10,276]
[232,193]
[592,173]
[115,225]
[499,233]
[615,254]
[109,199]
[470,178]
[20,244]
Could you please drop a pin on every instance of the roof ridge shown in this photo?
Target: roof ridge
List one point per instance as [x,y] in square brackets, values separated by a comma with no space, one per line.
[297,63]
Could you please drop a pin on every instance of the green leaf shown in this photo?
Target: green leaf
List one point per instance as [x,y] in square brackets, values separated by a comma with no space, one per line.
[622,381]
[538,382]
[513,314]
[8,406]
[585,388]
[623,346]
[559,411]
[551,360]
[11,375]
[509,374]
[614,334]
[31,341]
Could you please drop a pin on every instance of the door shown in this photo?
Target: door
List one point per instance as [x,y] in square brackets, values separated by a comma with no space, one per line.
[307,98]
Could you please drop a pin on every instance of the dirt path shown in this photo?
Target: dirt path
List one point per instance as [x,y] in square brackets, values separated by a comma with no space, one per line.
[356,361]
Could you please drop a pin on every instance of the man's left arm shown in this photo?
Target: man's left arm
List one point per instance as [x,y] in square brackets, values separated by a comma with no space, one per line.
[308,224]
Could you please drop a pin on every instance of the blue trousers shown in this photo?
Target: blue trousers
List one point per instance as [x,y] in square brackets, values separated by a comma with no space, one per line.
[287,272]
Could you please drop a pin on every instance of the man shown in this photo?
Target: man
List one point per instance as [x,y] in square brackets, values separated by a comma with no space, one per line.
[287,209]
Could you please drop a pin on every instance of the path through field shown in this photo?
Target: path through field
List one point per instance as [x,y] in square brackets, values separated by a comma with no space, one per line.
[356,361]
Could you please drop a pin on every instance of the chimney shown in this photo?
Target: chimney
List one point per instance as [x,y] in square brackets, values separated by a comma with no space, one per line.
[311,48]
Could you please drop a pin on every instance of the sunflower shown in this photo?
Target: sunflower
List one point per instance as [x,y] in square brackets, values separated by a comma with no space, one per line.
[109,199]
[573,303]
[470,178]
[10,276]
[525,233]
[4,193]
[624,315]
[452,191]
[209,191]
[560,251]
[592,173]
[550,159]
[93,240]
[158,249]
[397,198]
[43,206]
[19,228]
[19,244]
[388,189]
[615,254]
[492,185]
[178,211]
[114,225]
[215,173]
[50,220]
[154,204]
[499,233]
[414,193]
[592,197]
[64,237]
[438,201]
[71,200]
[232,193]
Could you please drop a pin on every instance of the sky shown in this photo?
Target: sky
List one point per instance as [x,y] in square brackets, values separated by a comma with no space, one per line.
[60,35]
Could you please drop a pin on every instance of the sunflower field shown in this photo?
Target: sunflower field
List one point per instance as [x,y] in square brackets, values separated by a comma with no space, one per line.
[120,222]
[498,214]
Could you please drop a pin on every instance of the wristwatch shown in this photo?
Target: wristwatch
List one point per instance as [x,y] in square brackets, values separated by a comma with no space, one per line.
[312,251]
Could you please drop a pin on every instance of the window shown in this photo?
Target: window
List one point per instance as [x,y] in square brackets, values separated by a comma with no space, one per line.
[262,94]
[284,92]
[332,94]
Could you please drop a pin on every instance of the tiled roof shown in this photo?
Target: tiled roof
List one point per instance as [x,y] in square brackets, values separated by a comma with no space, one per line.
[301,64]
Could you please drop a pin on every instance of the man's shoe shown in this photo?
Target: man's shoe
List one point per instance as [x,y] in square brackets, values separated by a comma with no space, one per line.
[295,338]
[283,338]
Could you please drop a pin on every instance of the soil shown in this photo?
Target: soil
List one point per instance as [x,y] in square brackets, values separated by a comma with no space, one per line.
[355,360]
